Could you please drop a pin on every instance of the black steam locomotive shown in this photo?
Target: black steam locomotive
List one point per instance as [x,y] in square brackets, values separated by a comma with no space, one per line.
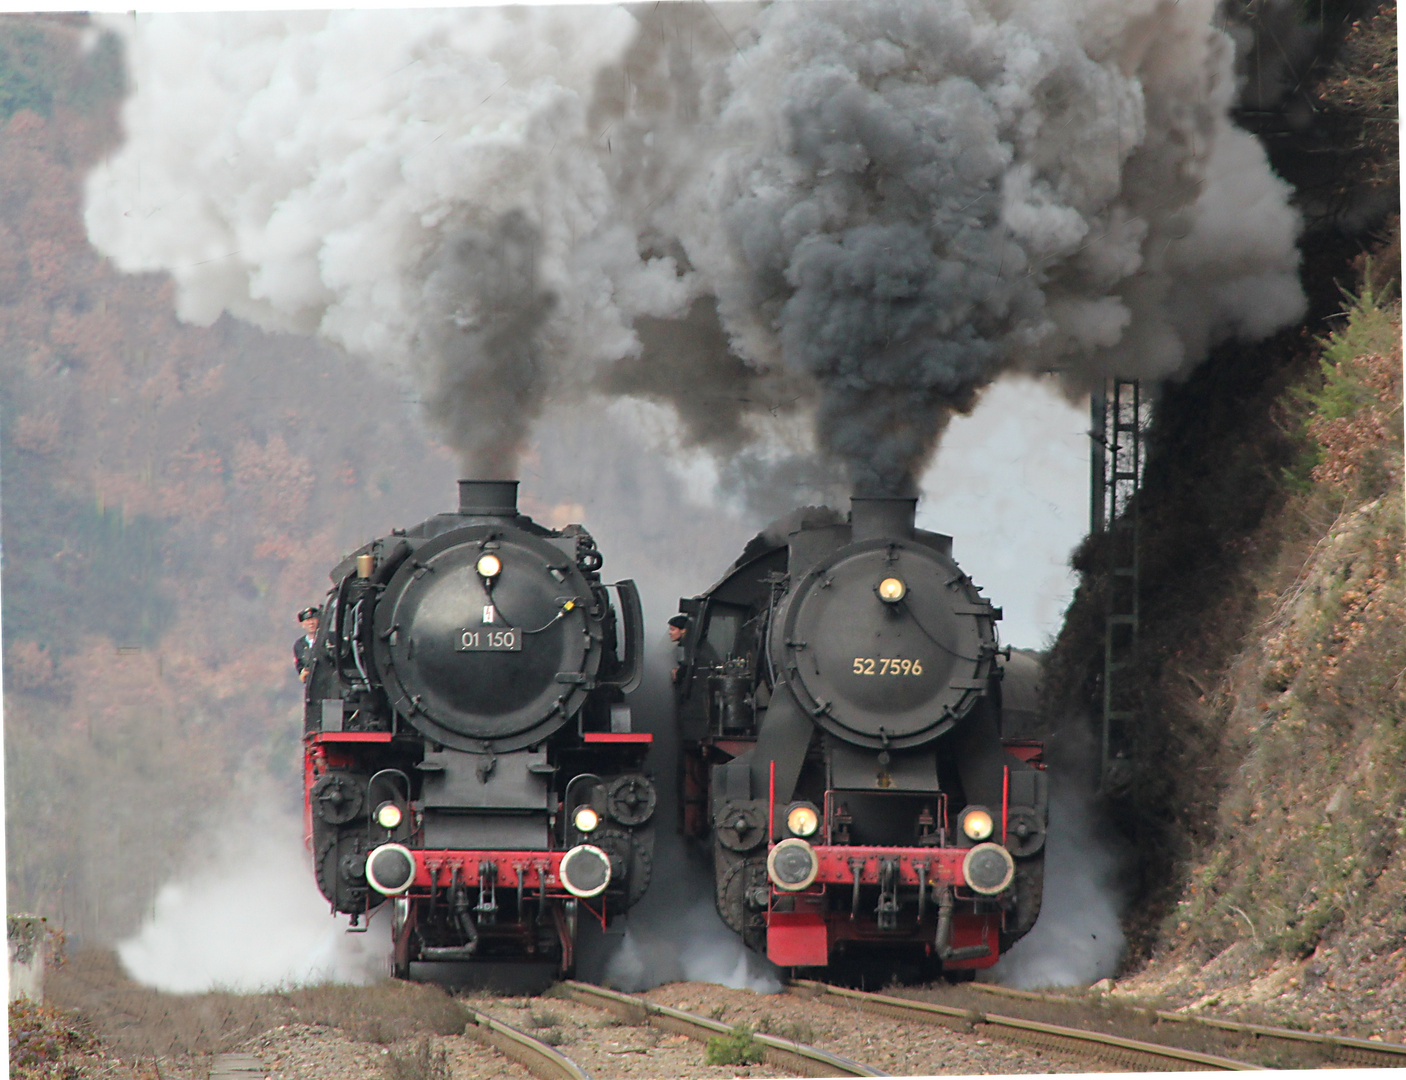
[469,755]
[852,750]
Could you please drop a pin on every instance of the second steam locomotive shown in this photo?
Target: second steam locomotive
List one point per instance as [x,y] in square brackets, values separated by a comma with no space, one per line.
[853,750]
[469,757]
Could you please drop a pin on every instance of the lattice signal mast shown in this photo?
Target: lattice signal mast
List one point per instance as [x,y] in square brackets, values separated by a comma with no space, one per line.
[1116,461]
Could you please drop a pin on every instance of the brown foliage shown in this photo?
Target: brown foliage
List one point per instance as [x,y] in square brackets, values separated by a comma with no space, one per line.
[1362,86]
[1368,440]
[28,667]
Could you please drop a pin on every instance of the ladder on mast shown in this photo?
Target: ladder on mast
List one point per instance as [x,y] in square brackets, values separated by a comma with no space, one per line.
[1115,479]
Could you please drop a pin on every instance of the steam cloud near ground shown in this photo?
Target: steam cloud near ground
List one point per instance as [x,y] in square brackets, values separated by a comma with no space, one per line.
[871,209]
[250,919]
[1078,938]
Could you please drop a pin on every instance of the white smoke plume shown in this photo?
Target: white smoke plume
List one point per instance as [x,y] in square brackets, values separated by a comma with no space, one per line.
[251,919]
[418,187]
[858,214]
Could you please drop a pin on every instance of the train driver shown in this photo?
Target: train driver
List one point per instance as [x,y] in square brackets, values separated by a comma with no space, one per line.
[678,627]
[311,618]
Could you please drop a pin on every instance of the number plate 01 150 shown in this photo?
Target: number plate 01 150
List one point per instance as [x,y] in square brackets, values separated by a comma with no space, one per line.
[489,639]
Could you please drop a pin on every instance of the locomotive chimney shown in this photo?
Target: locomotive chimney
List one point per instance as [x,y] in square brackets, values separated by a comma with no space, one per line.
[872,516]
[488,498]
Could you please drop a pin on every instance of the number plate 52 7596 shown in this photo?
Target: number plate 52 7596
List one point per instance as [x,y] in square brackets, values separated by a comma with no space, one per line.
[883,665]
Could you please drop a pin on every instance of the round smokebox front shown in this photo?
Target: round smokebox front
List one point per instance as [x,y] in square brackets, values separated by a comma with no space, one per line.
[472,639]
[887,645]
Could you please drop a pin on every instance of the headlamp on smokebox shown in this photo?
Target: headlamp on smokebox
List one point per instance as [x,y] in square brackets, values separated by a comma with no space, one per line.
[489,565]
[891,590]
[585,819]
[802,819]
[585,871]
[976,823]
[389,815]
[988,869]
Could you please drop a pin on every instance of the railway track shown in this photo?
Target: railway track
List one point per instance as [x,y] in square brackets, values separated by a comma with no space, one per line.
[1324,1048]
[806,1060]
[639,1037]
[788,1054]
[1116,1050]
[533,1054]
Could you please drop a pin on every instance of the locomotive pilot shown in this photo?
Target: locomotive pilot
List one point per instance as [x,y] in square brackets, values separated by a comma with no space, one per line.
[311,618]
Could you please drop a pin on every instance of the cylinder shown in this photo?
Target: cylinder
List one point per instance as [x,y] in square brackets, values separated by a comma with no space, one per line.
[488,498]
[882,516]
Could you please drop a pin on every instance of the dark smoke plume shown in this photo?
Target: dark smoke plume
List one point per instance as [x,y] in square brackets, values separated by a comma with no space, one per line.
[916,197]
[482,359]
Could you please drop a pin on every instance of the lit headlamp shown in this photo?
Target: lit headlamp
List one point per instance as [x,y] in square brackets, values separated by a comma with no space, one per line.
[389,815]
[585,819]
[802,819]
[977,823]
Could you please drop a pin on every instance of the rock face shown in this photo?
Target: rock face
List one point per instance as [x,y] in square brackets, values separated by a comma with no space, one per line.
[26,935]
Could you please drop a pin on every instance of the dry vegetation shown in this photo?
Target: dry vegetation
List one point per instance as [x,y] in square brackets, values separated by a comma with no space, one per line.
[49,1044]
[178,1033]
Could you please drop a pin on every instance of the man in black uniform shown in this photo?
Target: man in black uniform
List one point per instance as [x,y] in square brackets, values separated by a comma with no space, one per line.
[678,627]
[311,618]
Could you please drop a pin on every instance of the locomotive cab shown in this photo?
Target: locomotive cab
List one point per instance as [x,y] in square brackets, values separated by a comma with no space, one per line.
[469,753]
[841,709]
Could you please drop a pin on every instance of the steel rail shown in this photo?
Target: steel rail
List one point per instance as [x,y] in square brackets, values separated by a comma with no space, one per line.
[237,1067]
[1344,1047]
[1143,1055]
[532,1054]
[781,1053]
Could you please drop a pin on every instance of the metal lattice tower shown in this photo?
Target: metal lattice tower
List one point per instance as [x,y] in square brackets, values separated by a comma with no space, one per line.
[1115,478]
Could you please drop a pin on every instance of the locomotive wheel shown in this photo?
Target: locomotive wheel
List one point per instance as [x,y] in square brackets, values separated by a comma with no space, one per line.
[341,858]
[336,798]
[631,800]
[628,861]
[739,826]
[742,877]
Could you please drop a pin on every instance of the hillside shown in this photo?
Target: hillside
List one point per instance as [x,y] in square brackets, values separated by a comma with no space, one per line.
[1288,893]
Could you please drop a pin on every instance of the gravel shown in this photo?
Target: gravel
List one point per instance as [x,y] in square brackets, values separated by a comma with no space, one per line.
[609,1048]
[897,1047]
[313,1052]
